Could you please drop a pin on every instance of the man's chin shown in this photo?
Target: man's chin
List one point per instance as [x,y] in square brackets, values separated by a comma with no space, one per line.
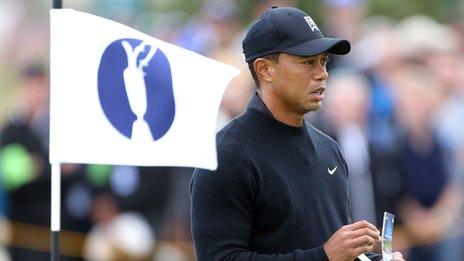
[313,107]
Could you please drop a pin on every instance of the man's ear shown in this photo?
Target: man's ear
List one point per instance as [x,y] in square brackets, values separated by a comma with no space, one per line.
[264,69]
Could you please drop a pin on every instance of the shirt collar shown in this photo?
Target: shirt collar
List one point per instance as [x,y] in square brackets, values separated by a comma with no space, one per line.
[258,104]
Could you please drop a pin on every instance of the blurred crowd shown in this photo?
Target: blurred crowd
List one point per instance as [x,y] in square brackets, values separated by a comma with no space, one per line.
[395,105]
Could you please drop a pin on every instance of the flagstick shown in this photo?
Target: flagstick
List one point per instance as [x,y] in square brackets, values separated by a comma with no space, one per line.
[57,4]
[56,193]
[55,215]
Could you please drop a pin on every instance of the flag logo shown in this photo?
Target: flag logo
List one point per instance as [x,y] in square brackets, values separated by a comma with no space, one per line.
[135,89]
[311,23]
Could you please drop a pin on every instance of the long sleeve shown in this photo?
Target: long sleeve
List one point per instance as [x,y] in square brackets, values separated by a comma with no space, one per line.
[222,206]
[374,257]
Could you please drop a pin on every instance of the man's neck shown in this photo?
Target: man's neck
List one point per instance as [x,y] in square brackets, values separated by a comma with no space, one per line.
[279,111]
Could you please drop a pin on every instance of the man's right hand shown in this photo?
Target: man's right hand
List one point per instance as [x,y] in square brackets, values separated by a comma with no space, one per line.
[352,240]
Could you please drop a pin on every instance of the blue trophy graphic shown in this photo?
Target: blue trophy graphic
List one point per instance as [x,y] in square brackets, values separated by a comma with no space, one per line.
[135,89]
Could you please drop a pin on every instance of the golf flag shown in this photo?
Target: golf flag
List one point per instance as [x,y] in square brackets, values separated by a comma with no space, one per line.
[121,97]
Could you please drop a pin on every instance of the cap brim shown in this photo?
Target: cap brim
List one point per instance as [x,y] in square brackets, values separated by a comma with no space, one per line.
[320,45]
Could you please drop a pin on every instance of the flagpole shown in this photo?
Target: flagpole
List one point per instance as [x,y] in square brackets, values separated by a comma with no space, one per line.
[57,4]
[56,193]
[55,214]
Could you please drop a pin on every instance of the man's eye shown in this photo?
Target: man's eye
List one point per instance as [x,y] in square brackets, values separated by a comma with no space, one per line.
[325,61]
[309,62]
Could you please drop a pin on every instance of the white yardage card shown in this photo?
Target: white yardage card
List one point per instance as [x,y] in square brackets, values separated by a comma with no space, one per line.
[387,236]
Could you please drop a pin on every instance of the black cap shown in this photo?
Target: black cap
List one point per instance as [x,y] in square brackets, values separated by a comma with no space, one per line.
[288,30]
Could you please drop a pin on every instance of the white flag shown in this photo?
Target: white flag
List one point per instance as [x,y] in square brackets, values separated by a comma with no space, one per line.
[121,97]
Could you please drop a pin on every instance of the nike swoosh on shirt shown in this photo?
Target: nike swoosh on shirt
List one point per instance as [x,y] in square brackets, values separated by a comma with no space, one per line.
[332,171]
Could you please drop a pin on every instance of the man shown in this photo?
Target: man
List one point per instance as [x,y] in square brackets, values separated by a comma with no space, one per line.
[280,190]
[24,156]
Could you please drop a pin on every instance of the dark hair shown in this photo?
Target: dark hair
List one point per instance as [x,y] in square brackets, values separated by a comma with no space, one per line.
[273,57]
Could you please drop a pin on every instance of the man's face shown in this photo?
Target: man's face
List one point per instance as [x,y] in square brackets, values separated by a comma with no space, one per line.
[299,81]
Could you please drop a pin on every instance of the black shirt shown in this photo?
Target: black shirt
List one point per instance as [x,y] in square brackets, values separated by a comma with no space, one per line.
[279,192]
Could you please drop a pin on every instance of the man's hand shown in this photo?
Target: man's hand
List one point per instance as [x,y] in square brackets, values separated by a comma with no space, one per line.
[352,240]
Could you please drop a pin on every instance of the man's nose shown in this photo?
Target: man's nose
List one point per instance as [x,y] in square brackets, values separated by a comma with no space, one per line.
[321,73]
